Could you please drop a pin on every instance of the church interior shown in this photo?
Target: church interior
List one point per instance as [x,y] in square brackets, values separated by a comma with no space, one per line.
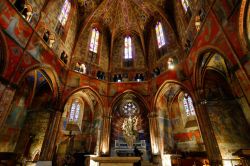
[84,81]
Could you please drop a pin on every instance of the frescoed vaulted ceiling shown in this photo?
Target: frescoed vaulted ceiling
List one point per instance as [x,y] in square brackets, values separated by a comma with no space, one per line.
[120,15]
[118,18]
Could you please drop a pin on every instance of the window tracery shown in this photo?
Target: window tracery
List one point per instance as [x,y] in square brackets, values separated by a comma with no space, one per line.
[159,35]
[188,105]
[129,108]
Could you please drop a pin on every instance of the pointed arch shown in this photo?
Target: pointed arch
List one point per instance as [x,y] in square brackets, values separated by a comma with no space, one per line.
[51,76]
[244,25]
[164,87]
[128,92]
[203,58]
[93,91]
[3,53]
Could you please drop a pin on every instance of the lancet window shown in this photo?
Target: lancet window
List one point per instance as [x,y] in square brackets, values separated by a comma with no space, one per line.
[185,5]
[94,40]
[74,111]
[188,105]
[127,48]
[159,35]
[63,17]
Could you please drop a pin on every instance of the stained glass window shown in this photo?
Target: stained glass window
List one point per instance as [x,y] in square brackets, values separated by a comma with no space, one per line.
[94,40]
[159,35]
[74,111]
[185,4]
[127,48]
[188,105]
[64,12]
[129,109]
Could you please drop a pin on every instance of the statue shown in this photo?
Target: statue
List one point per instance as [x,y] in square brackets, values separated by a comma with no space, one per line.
[129,128]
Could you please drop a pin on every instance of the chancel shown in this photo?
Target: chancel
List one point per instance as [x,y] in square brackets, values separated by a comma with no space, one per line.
[125,82]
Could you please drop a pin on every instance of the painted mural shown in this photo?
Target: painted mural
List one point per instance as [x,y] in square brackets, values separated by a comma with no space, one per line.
[227,118]
[32,135]
[15,53]
[14,123]
[85,138]
[13,24]
[178,132]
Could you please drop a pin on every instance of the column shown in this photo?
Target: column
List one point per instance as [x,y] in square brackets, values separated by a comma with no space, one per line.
[98,142]
[49,142]
[105,135]
[154,138]
[6,96]
[160,130]
[208,136]
[153,132]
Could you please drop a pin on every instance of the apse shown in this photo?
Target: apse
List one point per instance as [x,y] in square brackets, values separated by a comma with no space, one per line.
[81,78]
[129,126]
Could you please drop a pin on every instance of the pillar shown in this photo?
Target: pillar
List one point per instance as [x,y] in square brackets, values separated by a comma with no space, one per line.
[153,129]
[49,142]
[6,97]
[154,138]
[208,135]
[105,135]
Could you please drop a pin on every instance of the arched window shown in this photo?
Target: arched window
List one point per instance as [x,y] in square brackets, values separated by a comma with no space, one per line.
[185,5]
[188,105]
[127,48]
[64,12]
[159,35]
[93,46]
[74,111]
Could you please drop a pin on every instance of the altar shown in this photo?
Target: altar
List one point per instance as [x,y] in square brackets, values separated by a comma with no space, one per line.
[115,161]
[121,149]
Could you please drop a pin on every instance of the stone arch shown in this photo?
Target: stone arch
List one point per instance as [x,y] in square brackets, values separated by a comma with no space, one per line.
[225,113]
[174,123]
[86,133]
[50,75]
[3,53]
[118,96]
[129,124]
[96,94]
[244,29]
[162,89]
[197,69]
[31,110]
